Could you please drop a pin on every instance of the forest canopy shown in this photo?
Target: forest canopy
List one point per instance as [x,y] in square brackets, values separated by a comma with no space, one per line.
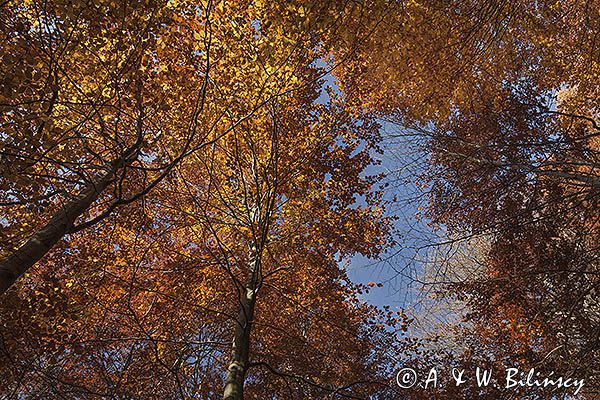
[186,187]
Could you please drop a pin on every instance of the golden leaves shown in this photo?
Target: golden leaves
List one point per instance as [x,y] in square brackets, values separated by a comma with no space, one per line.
[230,94]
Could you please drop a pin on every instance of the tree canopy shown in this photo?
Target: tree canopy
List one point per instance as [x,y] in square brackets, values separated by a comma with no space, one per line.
[184,183]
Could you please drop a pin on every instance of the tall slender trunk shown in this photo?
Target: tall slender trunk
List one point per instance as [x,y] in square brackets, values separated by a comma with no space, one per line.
[236,372]
[240,353]
[18,262]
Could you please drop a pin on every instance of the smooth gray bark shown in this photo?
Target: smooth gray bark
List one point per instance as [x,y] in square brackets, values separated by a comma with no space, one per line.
[236,372]
[240,352]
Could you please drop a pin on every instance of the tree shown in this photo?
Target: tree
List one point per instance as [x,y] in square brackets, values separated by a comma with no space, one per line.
[96,114]
[85,116]
[209,188]
[240,237]
[503,98]
[244,240]
[516,161]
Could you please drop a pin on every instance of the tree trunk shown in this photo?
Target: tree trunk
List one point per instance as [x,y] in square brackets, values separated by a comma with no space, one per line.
[236,372]
[17,263]
[240,353]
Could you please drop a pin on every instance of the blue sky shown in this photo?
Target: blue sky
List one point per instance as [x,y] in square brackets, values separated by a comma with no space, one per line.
[402,161]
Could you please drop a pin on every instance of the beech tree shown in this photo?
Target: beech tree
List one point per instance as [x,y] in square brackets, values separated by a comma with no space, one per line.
[228,221]
[88,123]
[501,96]
[514,160]
[242,243]
[97,112]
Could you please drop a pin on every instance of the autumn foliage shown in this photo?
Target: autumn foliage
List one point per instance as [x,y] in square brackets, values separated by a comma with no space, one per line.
[183,183]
